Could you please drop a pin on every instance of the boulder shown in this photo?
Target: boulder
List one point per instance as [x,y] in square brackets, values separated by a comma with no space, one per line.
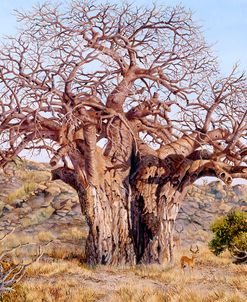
[53,189]
[59,204]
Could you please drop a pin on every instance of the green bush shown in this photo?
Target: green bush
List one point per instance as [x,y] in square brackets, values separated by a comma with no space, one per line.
[230,232]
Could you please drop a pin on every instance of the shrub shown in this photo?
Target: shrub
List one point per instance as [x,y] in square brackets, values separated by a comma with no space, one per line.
[230,232]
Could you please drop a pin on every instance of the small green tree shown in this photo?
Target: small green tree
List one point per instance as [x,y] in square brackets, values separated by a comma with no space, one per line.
[230,232]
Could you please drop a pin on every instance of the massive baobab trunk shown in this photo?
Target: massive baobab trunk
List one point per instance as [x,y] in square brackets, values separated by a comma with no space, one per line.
[130,103]
[111,238]
[131,200]
[130,216]
[156,203]
[126,227]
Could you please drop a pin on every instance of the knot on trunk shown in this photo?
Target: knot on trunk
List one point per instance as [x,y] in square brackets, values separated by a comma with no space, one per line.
[65,174]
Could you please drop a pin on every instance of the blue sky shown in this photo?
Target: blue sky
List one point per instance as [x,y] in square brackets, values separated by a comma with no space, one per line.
[224,22]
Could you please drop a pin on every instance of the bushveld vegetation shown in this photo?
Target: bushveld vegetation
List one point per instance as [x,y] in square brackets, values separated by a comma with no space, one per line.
[55,279]
[230,232]
[62,275]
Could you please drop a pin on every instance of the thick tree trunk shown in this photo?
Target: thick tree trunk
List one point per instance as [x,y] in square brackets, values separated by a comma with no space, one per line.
[155,206]
[110,239]
[153,222]
[131,218]
[130,214]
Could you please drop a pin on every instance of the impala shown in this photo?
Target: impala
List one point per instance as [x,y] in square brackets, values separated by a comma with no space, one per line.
[189,262]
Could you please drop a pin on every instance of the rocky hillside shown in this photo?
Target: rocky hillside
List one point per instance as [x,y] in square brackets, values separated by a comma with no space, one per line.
[40,210]
[206,202]
[32,203]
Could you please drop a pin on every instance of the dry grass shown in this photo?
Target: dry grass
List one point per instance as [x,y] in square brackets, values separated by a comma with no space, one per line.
[59,267]
[65,251]
[200,235]
[217,295]
[16,239]
[33,176]
[22,192]
[134,294]
[31,181]
[61,278]
[53,292]
[45,236]
[74,234]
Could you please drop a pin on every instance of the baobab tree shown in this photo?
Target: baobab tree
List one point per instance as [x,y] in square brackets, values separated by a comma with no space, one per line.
[131,105]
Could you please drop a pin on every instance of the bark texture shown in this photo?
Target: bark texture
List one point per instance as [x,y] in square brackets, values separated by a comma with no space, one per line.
[110,239]
[156,203]
[130,216]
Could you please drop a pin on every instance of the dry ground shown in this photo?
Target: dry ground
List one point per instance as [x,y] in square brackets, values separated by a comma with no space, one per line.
[60,276]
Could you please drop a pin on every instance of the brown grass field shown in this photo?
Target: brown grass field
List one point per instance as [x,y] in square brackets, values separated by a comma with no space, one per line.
[61,275]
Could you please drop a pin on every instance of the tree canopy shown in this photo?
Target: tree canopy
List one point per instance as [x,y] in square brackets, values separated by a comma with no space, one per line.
[151,68]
